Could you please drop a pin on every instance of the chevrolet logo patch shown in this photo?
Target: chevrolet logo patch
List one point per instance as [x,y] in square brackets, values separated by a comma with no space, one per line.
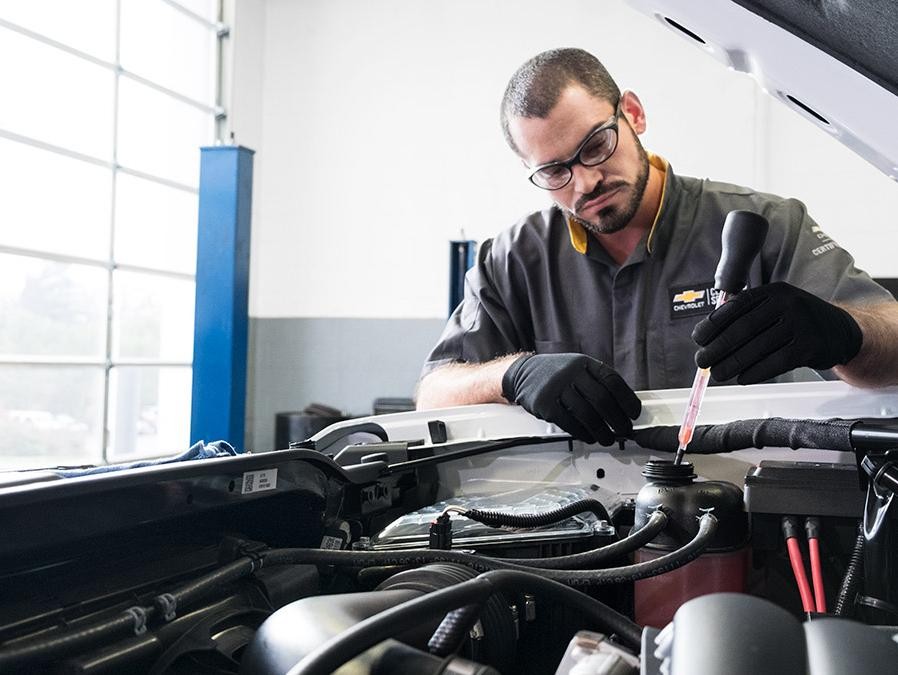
[693,300]
[688,296]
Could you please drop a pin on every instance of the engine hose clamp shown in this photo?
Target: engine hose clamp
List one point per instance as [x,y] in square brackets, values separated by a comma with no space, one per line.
[167,604]
[139,616]
[705,512]
[256,560]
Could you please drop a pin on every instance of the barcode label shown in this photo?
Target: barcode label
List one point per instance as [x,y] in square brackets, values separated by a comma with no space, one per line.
[331,543]
[259,481]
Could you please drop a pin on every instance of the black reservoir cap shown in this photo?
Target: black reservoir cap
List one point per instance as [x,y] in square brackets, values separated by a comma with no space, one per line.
[742,237]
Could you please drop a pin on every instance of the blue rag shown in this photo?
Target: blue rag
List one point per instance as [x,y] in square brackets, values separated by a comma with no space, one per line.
[198,450]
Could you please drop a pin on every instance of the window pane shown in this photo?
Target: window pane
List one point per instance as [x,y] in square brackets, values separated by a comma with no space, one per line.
[155,225]
[50,416]
[208,9]
[186,65]
[74,221]
[54,96]
[150,411]
[153,317]
[51,308]
[160,135]
[87,26]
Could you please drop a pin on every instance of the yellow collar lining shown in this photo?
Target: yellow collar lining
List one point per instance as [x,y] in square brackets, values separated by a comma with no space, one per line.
[578,234]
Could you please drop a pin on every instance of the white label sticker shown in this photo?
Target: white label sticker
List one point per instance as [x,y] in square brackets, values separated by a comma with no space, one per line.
[331,543]
[259,481]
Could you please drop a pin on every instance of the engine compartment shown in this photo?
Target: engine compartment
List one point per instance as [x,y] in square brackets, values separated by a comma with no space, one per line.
[338,557]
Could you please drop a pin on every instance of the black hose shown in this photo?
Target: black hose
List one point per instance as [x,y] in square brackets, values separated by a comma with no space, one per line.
[635,540]
[529,520]
[448,636]
[773,432]
[613,575]
[46,649]
[851,582]
[194,590]
[43,649]
[365,634]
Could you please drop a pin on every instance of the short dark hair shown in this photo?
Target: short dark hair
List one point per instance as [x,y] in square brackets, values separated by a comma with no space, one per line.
[536,86]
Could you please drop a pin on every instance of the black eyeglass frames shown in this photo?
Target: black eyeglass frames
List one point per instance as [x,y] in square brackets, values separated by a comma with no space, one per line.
[596,148]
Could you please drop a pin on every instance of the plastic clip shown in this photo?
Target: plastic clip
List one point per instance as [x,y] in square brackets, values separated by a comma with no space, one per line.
[167,604]
[139,615]
[255,553]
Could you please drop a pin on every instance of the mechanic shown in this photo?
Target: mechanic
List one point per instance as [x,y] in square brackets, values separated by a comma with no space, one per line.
[575,306]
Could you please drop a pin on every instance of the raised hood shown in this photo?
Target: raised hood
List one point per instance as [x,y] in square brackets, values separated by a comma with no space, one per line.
[834,61]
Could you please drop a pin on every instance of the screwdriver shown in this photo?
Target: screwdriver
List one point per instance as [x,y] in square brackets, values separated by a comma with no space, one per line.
[741,240]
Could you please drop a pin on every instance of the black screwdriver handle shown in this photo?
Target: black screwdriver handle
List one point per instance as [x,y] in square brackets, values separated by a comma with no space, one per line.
[742,237]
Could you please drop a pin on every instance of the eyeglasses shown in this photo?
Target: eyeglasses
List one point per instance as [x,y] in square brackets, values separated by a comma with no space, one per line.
[597,147]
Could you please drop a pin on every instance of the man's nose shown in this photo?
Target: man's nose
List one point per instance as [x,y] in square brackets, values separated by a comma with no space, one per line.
[585,178]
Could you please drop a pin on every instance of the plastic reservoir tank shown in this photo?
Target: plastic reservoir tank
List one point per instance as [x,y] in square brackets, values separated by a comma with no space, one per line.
[724,564]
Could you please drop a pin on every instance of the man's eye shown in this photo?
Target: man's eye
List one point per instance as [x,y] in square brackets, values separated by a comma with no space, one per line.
[598,147]
[554,172]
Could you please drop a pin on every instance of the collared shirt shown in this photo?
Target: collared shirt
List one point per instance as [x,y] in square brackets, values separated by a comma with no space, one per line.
[535,288]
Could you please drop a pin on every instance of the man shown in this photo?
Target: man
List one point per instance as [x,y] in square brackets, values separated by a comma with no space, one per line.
[575,306]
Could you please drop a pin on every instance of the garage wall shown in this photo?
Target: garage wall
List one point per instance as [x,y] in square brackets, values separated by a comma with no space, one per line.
[377,138]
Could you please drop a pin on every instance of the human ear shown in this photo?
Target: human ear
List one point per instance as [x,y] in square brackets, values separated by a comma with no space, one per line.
[631,107]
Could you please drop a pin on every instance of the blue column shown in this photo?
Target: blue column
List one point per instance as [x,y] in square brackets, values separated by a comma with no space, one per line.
[222,287]
[461,259]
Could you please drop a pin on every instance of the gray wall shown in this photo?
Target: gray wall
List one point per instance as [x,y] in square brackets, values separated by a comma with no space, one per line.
[344,363]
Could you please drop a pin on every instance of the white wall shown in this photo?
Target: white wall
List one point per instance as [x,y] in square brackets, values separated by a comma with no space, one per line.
[376,127]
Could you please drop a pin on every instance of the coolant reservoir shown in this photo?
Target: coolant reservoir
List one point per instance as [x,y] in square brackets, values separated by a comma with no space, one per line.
[724,564]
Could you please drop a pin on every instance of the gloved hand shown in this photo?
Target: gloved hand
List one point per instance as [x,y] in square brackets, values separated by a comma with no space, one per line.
[583,396]
[772,329]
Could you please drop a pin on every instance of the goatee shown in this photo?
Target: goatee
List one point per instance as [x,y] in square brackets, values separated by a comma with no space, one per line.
[612,219]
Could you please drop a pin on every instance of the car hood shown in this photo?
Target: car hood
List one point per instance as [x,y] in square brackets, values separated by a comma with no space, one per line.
[833,61]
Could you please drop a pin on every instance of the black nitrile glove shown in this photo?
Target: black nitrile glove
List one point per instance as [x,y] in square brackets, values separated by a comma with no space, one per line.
[581,395]
[772,329]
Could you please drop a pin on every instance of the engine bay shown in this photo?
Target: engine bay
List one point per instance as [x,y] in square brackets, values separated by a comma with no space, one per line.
[443,543]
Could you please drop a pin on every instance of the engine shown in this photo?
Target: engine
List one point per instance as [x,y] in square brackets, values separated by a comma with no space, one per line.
[379,556]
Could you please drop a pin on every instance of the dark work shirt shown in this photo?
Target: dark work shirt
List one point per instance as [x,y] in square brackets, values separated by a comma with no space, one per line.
[531,290]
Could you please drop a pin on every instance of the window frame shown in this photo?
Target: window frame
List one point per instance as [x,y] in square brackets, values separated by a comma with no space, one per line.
[110,264]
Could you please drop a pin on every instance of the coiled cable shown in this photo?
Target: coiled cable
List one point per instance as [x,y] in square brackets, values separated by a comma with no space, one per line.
[854,574]
[530,520]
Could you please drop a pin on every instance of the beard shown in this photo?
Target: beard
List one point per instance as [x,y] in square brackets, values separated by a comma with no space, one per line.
[613,219]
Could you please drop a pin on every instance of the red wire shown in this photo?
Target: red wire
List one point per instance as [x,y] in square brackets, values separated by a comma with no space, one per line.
[807,598]
[817,574]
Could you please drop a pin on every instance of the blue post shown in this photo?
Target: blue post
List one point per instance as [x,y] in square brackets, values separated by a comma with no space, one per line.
[222,286]
[461,259]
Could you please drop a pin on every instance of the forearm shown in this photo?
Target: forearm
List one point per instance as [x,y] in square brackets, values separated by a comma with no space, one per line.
[464,384]
[877,362]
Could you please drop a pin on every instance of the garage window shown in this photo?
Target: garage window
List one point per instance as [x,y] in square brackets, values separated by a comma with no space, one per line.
[105,106]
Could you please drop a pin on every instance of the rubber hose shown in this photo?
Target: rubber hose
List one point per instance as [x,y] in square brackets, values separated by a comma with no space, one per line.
[613,575]
[530,520]
[365,634]
[192,591]
[854,574]
[632,542]
[448,636]
[46,649]
[500,635]
[773,432]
